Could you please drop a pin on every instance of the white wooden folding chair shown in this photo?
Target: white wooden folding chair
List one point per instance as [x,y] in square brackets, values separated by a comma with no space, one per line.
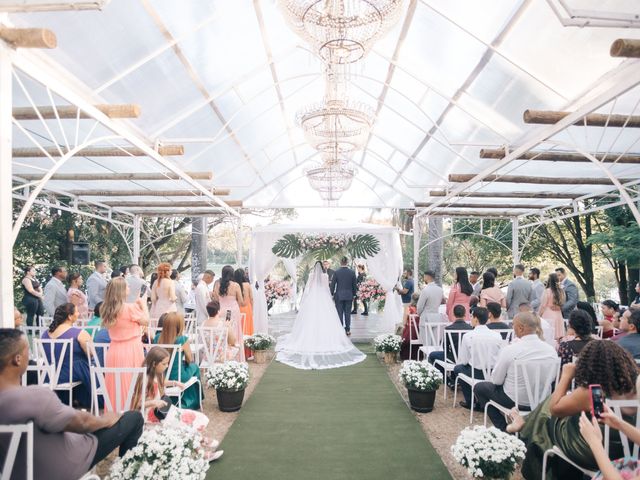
[46,356]
[433,336]
[414,332]
[99,388]
[214,345]
[31,332]
[97,353]
[445,363]
[484,354]
[506,334]
[538,377]
[16,432]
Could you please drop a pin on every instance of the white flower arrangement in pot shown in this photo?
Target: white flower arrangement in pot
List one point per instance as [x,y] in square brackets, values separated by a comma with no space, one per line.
[389,345]
[259,343]
[422,381]
[488,452]
[230,380]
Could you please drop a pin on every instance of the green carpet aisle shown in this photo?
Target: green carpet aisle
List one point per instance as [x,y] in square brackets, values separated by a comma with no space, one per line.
[346,423]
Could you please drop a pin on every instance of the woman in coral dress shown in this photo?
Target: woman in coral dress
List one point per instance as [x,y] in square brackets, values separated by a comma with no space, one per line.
[460,294]
[551,306]
[163,292]
[229,295]
[123,320]
[247,294]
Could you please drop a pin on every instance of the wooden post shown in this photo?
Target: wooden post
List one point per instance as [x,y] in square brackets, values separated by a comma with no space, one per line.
[527,206]
[205,202]
[92,177]
[553,156]
[463,178]
[194,194]
[547,117]
[198,246]
[625,47]
[124,151]
[29,37]
[435,250]
[527,195]
[73,112]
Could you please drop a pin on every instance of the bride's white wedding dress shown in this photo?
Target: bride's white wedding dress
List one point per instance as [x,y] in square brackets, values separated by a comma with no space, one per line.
[317,340]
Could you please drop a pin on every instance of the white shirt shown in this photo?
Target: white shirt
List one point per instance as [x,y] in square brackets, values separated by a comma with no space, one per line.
[530,348]
[549,332]
[480,335]
[202,298]
[538,290]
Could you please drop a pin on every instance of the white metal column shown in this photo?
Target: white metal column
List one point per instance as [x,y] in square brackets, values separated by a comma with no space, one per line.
[417,234]
[136,240]
[515,244]
[6,197]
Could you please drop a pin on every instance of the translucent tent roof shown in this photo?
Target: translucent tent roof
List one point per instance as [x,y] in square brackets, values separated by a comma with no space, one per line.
[224,79]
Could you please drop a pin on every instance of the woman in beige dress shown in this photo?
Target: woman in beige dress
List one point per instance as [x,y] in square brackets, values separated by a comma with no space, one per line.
[163,293]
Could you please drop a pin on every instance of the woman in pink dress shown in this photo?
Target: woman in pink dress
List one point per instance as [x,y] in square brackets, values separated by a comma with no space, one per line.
[123,320]
[460,294]
[551,306]
[491,293]
[77,296]
[163,292]
[229,295]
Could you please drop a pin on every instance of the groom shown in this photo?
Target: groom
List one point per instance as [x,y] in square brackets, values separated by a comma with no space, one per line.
[343,288]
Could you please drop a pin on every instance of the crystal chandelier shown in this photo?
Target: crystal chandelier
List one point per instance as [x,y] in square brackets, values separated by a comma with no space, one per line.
[342,31]
[332,178]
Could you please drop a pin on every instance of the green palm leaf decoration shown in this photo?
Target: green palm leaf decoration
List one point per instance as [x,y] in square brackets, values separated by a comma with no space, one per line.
[325,252]
[288,246]
[363,246]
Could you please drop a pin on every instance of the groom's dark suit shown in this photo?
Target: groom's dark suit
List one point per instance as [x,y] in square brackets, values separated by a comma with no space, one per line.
[344,288]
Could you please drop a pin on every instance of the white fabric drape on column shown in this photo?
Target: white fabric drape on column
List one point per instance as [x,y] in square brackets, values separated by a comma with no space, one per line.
[261,261]
[291,265]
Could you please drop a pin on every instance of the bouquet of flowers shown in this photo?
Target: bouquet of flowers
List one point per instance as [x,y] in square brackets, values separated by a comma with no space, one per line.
[420,375]
[371,290]
[488,452]
[313,242]
[276,290]
[163,452]
[259,341]
[231,376]
[387,343]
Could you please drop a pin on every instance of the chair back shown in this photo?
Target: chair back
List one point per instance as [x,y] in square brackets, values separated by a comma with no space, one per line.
[117,405]
[16,432]
[484,354]
[214,341]
[538,377]
[433,334]
[176,354]
[32,332]
[44,322]
[414,328]
[616,406]
[189,326]
[505,333]
[52,353]
[97,352]
[453,342]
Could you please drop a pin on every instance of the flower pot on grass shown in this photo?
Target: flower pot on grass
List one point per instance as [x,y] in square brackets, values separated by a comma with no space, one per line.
[422,381]
[230,400]
[230,380]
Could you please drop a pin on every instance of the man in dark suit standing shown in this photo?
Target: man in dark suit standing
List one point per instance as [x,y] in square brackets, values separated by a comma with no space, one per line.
[326,265]
[570,290]
[343,288]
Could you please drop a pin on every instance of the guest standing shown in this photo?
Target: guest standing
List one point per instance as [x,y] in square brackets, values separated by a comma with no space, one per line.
[55,293]
[362,276]
[163,293]
[491,293]
[519,291]
[137,285]
[32,299]
[551,305]
[97,284]
[77,296]
[537,286]
[431,297]
[460,294]
[570,290]
[181,293]
[124,322]
[241,279]
[229,295]
[407,289]
[202,296]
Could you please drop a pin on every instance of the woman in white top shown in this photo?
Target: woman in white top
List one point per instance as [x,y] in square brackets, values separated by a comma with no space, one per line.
[163,293]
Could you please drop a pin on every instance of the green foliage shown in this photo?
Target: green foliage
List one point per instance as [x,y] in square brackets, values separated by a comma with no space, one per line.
[363,246]
[357,246]
[288,246]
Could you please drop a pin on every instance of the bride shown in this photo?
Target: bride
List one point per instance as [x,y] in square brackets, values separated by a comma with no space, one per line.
[317,340]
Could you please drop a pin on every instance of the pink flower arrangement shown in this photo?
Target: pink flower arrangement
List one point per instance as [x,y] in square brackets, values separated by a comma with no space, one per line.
[276,290]
[371,290]
[313,242]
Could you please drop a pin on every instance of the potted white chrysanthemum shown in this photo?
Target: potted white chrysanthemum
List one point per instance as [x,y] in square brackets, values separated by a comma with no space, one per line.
[259,344]
[488,453]
[230,380]
[422,381]
[389,345]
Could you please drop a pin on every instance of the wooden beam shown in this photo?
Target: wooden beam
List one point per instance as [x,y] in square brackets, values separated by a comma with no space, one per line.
[88,177]
[531,195]
[98,151]
[147,193]
[625,47]
[177,204]
[464,177]
[29,37]
[71,112]
[551,156]
[445,212]
[482,205]
[548,117]
[176,213]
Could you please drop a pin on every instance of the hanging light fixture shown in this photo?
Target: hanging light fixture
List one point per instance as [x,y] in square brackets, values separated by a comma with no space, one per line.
[342,31]
[332,178]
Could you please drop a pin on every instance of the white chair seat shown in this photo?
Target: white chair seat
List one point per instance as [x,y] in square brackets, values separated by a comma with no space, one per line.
[559,453]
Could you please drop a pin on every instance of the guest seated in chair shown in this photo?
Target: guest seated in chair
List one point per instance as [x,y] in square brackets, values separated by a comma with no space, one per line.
[556,420]
[67,443]
[214,321]
[579,330]
[61,328]
[630,324]
[408,332]
[173,334]
[459,312]
[495,318]
[502,387]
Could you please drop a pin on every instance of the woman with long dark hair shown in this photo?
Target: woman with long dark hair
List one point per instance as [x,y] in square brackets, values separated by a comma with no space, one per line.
[610,317]
[460,293]
[32,299]
[551,305]
[490,292]
[229,295]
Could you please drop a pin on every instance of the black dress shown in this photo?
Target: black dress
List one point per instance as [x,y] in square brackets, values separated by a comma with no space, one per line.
[32,304]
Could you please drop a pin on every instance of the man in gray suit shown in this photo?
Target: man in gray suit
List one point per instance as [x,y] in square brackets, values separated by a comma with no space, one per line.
[55,293]
[137,285]
[430,299]
[343,288]
[96,284]
[519,291]
[537,286]
[570,290]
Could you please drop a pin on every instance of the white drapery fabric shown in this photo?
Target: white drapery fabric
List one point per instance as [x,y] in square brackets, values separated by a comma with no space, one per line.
[291,265]
[385,267]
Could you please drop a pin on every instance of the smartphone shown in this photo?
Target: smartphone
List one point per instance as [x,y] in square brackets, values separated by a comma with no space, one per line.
[597,400]
[228,317]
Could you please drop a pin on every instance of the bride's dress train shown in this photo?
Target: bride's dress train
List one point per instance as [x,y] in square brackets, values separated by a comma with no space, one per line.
[317,340]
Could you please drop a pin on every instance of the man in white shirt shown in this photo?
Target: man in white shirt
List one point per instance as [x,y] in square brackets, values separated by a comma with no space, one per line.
[181,293]
[96,284]
[202,296]
[502,387]
[430,300]
[55,293]
[489,341]
[137,285]
[537,287]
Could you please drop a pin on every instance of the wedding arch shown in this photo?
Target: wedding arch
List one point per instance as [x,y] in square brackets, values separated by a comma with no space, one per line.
[378,245]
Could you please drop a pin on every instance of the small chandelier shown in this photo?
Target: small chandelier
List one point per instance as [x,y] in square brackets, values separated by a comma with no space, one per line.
[332,178]
[342,31]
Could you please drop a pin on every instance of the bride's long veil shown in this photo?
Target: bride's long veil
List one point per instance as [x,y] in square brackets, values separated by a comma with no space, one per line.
[316,282]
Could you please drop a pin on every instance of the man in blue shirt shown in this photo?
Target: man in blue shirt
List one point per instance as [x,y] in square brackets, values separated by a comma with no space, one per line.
[630,323]
[407,288]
